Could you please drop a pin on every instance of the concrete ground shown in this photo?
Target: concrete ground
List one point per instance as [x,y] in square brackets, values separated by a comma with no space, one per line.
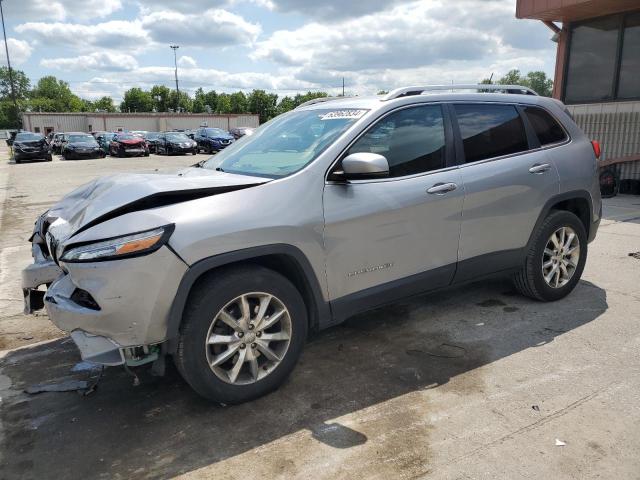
[476,382]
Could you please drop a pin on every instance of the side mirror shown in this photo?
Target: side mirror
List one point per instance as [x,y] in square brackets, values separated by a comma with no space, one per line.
[363,165]
[9,141]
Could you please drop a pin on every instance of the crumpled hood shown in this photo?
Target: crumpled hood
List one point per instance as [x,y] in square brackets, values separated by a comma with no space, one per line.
[115,195]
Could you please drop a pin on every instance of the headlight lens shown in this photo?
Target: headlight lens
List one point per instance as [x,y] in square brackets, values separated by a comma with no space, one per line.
[125,246]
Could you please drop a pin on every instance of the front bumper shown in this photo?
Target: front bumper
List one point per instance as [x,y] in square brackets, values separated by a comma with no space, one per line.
[133,296]
[30,155]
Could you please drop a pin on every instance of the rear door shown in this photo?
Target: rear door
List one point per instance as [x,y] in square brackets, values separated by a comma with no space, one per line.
[392,237]
[507,180]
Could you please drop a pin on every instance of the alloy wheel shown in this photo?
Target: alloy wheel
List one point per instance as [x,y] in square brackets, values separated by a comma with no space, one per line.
[560,258]
[248,338]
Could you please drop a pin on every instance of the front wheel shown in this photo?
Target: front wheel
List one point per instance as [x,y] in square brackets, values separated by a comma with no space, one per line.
[556,258]
[242,333]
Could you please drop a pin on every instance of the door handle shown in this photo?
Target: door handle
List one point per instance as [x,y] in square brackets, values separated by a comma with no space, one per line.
[442,188]
[540,168]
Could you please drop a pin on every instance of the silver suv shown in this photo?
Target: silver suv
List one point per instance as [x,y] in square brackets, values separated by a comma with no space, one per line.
[335,208]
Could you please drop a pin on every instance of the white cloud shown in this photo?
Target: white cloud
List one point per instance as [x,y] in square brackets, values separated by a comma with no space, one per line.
[78,10]
[19,51]
[212,27]
[109,35]
[410,41]
[108,61]
[332,10]
[187,61]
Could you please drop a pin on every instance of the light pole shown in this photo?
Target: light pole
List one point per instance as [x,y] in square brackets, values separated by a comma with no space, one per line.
[175,59]
[6,47]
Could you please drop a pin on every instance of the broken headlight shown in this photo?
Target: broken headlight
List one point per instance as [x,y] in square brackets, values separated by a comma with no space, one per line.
[126,246]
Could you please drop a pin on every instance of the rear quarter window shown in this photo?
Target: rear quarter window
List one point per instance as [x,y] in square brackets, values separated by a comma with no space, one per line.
[546,127]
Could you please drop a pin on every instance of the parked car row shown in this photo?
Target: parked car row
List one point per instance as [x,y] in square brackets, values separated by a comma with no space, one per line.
[79,145]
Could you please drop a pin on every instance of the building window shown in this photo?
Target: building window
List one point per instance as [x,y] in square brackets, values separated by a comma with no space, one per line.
[604,60]
[629,83]
[36,129]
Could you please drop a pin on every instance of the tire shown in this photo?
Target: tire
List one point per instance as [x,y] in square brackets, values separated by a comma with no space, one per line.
[49,158]
[221,290]
[530,280]
[120,154]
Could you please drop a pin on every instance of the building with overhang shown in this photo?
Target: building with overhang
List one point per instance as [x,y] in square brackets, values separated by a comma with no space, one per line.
[597,72]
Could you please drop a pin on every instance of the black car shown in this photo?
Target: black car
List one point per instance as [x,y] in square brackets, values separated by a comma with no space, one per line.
[172,143]
[239,132]
[79,145]
[30,146]
[213,139]
[153,139]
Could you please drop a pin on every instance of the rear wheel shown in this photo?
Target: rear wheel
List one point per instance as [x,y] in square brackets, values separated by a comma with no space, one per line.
[609,183]
[556,258]
[242,333]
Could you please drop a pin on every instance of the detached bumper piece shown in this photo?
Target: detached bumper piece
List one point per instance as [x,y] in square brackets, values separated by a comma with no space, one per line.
[97,349]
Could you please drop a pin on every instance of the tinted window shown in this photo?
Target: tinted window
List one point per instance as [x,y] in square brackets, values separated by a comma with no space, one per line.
[546,127]
[629,85]
[490,131]
[412,140]
[592,60]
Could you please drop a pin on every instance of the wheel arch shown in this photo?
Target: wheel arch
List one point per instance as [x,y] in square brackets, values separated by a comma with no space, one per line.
[578,202]
[285,259]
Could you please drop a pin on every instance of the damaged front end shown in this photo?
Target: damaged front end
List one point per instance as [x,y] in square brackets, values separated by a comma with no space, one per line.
[110,289]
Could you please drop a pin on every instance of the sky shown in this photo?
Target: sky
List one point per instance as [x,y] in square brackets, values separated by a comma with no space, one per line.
[104,47]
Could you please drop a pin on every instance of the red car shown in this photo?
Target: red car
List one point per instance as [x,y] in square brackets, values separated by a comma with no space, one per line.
[128,145]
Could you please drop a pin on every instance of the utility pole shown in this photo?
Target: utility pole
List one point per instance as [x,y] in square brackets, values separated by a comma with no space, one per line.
[343,86]
[175,59]
[6,47]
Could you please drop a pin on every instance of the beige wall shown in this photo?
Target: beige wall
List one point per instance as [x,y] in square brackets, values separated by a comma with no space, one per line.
[64,122]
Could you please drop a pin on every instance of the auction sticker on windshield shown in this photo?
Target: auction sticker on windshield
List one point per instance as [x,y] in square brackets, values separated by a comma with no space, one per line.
[343,114]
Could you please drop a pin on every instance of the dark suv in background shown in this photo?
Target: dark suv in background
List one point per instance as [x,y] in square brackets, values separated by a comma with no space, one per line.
[30,146]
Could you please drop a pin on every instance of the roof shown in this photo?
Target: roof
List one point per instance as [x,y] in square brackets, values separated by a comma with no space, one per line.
[572,10]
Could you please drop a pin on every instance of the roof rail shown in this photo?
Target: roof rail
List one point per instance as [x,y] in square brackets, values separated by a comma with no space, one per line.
[318,100]
[419,90]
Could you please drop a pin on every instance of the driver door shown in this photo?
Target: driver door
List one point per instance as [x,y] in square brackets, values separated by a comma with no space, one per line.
[394,237]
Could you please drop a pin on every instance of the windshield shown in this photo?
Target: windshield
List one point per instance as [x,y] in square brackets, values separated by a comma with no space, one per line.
[81,138]
[177,137]
[216,132]
[28,137]
[128,137]
[286,144]
[152,135]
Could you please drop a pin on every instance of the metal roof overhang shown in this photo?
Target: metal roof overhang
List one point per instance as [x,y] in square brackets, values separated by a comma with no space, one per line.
[572,10]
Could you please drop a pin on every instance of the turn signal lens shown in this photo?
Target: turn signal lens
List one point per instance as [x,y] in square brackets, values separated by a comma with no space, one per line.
[596,148]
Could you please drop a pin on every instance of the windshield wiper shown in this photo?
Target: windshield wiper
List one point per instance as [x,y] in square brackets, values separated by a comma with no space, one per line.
[218,169]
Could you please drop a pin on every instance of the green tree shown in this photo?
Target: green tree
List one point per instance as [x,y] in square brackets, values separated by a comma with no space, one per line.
[104,104]
[223,103]
[199,101]
[537,81]
[136,100]
[211,99]
[160,96]
[264,104]
[53,95]
[185,104]
[239,103]
[286,104]
[21,84]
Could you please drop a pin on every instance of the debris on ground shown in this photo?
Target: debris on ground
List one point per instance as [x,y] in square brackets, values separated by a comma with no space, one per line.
[536,408]
[66,386]
[560,443]
[635,255]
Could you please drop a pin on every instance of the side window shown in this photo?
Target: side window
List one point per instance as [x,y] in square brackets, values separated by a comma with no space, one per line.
[490,131]
[546,127]
[412,140]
